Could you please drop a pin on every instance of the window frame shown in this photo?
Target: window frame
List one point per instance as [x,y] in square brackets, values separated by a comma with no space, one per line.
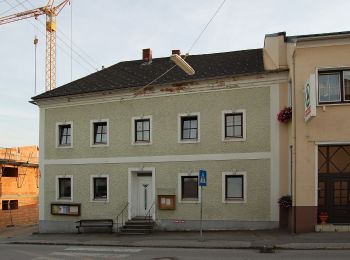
[58,125]
[92,133]
[133,130]
[224,187]
[58,198]
[223,125]
[342,85]
[92,188]
[180,129]
[180,193]
[9,205]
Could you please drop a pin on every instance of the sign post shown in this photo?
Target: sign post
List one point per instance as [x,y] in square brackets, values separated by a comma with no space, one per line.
[202,182]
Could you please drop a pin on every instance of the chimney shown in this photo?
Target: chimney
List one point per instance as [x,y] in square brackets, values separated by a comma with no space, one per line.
[176,52]
[147,55]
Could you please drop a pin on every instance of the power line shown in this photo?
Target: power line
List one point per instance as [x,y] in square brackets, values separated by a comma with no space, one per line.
[12,7]
[66,44]
[69,38]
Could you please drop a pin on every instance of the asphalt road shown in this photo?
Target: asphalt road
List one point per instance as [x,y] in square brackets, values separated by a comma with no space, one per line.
[48,252]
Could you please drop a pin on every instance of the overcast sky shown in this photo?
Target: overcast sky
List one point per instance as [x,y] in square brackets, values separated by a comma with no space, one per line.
[106,32]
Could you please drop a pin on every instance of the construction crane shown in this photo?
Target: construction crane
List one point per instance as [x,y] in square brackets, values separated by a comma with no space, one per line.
[51,12]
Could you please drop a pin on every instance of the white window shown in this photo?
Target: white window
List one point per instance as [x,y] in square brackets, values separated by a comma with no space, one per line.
[234,187]
[189,128]
[333,86]
[99,132]
[234,125]
[99,188]
[64,135]
[188,188]
[142,130]
[64,187]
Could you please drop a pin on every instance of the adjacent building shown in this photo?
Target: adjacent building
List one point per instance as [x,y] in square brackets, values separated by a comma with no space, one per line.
[124,137]
[19,186]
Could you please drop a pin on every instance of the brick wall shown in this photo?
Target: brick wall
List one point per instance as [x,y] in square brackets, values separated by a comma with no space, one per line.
[27,213]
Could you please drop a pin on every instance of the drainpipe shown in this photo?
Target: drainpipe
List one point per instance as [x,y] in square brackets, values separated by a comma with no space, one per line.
[294,137]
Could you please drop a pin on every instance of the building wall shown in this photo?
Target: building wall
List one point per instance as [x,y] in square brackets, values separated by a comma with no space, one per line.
[24,188]
[261,101]
[329,126]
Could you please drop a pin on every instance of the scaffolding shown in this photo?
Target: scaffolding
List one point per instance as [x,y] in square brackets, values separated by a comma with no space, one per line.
[20,159]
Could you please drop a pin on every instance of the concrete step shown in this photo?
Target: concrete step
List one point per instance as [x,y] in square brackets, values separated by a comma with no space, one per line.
[135,231]
[138,226]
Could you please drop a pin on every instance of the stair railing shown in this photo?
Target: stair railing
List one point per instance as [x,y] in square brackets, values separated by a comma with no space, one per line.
[121,215]
[148,215]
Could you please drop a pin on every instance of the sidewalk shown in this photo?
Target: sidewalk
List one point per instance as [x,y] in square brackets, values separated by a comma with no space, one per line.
[213,239]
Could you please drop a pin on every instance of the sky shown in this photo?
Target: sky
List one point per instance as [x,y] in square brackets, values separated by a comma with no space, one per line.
[106,32]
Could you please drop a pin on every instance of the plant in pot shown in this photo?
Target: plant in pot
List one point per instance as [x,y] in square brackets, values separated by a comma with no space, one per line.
[285,115]
[323,217]
[285,201]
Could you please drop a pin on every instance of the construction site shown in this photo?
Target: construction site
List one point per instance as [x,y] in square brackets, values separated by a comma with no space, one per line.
[19,185]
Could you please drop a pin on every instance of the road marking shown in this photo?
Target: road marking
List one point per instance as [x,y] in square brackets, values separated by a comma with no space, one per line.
[103,249]
[94,255]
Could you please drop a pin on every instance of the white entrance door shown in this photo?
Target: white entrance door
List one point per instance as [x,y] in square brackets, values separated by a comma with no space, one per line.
[144,197]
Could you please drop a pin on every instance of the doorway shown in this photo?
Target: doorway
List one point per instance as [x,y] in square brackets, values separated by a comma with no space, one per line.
[334,182]
[141,195]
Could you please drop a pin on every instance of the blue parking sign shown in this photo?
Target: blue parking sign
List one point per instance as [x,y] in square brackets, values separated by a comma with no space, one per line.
[202,178]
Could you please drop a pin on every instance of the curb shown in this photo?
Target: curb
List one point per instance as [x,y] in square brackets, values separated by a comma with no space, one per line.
[294,246]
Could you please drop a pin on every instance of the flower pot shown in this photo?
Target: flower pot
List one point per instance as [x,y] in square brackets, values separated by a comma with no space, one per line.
[323,219]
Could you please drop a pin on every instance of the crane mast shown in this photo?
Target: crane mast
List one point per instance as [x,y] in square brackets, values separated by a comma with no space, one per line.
[51,13]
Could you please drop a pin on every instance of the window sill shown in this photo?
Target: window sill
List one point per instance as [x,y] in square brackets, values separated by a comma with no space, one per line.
[64,200]
[190,141]
[99,145]
[233,139]
[100,200]
[234,201]
[141,143]
[334,104]
[189,201]
[64,146]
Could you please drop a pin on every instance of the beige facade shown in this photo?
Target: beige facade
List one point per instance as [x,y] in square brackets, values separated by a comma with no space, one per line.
[166,159]
[306,55]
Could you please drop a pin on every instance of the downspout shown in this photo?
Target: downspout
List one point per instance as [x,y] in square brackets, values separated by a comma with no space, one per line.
[294,137]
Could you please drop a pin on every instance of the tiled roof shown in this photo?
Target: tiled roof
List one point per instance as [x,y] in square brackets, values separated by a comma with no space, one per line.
[131,74]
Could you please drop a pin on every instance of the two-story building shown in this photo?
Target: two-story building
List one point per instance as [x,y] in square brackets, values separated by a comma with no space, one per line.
[112,140]
[319,139]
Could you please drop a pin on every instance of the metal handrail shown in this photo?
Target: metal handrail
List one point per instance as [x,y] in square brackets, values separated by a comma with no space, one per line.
[122,216]
[148,215]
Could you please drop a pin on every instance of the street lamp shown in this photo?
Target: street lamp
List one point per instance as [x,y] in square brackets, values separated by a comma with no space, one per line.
[179,61]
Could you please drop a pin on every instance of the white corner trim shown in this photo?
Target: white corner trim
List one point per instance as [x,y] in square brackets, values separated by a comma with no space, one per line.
[92,188]
[179,189]
[58,124]
[275,152]
[42,115]
[57,188]
[133,128]
[234,139]
[162,158]
[92,132]
[223,185]
[179,128]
